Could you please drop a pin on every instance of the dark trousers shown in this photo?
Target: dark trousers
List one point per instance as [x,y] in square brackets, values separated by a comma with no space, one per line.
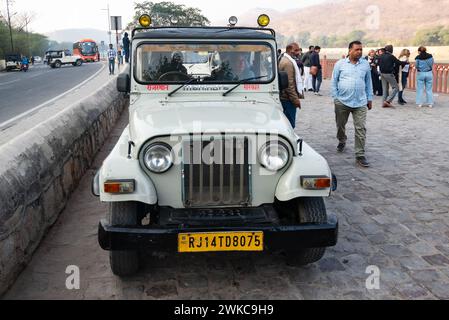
[289,111]
[126,56]
[316,81]
[404,85]
[377,84]
[111,66]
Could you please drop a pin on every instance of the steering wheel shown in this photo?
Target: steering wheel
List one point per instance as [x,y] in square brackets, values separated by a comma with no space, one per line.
[174,76]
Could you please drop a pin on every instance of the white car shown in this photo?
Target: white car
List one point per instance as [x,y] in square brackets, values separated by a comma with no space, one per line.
[58,58]
[209,162]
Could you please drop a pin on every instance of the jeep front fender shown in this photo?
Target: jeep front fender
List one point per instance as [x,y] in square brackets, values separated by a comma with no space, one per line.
[310,163]
[118,166]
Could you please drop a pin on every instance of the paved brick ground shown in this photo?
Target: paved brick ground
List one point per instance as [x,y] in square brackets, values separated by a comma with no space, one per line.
[393,215]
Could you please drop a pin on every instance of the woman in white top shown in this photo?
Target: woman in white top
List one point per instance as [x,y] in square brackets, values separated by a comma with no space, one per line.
[403,74]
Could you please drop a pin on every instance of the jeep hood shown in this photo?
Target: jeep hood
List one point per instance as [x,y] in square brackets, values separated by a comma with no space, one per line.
[147,122]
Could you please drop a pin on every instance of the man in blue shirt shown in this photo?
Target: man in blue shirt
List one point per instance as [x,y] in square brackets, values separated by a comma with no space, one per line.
[111,58]
[352,90]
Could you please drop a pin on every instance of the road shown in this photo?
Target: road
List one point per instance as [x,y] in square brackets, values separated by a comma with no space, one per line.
[393,216]
[20,91]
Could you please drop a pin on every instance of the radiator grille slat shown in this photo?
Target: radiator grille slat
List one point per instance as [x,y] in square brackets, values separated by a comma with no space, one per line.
[216,172]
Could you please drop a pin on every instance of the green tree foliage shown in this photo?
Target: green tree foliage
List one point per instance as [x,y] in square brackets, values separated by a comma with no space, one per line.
[437,36]
[24,43]
[303,38]
[162,12]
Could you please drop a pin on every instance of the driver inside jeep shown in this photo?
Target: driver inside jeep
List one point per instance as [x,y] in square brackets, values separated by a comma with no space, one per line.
[175,65]
[234,67]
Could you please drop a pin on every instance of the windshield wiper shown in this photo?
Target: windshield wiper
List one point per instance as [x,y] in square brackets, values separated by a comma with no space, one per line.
[241,82]
[182,86]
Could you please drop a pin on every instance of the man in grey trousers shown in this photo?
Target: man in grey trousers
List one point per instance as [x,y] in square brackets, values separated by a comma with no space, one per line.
[388,63]
[352,90]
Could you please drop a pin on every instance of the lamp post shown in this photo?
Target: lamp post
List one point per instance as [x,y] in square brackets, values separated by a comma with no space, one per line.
[109,23]
[9,24]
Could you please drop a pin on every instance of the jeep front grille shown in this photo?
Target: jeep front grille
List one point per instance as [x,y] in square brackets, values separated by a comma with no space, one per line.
[216,172]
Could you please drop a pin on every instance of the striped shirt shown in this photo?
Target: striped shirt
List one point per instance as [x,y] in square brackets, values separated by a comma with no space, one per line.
[352,84]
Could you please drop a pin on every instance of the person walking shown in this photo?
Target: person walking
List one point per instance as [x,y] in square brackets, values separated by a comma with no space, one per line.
[111,58]
[126,44]
[290,97]
[120,55]
[316,70]
[307,64]
[352,91]
[403,74]
[375,77]
[424,80]
[377,84]
[388,63]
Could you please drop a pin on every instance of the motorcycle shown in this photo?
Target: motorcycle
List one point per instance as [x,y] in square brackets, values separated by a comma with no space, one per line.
[24,67]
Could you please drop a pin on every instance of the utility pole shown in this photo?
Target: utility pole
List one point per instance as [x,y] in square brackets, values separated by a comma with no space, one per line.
[109,24]
[9,24]
[109,21]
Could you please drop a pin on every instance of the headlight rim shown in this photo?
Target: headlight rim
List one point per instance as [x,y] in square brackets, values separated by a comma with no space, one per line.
[163,144]
[265,146]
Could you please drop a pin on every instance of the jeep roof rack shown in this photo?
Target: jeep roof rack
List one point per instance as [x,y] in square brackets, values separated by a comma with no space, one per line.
[205,32]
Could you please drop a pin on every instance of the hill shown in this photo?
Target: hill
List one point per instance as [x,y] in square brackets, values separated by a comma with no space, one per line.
[379,20]
[73,35]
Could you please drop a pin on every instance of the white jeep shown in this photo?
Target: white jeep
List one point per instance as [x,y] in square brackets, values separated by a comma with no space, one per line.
[58,58]
[209,161]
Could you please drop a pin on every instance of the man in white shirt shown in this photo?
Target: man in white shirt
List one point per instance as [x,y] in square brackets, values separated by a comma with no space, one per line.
[111,58]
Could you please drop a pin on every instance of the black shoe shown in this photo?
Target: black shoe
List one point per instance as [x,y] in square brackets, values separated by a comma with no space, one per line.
[401,103]
[311,90]
[341,147]
[361,161]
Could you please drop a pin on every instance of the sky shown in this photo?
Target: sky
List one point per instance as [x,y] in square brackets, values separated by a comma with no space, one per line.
[50,15]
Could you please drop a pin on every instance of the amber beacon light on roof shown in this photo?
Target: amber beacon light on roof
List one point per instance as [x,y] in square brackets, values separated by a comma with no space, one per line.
[263,20]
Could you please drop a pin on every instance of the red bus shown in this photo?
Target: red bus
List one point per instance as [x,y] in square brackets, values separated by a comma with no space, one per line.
[87,49]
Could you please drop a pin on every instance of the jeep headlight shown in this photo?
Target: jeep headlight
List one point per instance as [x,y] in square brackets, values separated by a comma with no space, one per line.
[274,156]
[158,157]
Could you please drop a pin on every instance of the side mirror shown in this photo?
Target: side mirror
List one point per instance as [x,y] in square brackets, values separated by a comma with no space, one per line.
[123,83]
[283,80]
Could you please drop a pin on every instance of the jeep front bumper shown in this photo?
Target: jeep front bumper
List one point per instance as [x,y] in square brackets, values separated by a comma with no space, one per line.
[289,237]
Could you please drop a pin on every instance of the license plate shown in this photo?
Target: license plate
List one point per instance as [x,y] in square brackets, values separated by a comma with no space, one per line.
[220,241]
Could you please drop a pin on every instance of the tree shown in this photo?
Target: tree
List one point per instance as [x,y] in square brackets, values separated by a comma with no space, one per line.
[303,38]
[436,36]
[161,14]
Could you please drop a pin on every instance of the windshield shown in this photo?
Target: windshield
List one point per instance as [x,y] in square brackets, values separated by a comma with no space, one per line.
[13,57]
[208,62]
[88,48]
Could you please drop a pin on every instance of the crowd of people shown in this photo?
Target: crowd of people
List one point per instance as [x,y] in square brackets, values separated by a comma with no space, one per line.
[390,72]
[122,52]
[355,81]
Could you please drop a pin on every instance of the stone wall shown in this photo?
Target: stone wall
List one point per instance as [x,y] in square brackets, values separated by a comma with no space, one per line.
[40,169]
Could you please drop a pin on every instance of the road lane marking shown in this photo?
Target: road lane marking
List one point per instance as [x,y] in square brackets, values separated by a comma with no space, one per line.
[5,83]
[54,116]
[6,123]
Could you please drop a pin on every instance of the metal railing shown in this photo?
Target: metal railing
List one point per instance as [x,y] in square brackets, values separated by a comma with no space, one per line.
[440,75]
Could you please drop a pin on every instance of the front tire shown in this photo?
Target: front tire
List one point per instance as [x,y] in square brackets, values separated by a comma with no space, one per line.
[123,262]
[58,64]
[78,63]
[309,210]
